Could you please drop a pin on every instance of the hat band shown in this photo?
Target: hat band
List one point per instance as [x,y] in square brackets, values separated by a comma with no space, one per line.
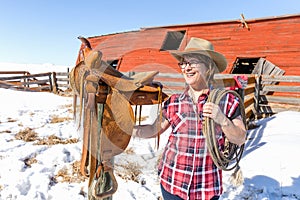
[195,49]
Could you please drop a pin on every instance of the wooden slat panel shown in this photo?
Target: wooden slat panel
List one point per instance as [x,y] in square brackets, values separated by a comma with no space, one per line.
[249,111]
[226,82]
[7,85]
[64,85]
[276,108]
[14,72]
[171,91]
[251,79]
[26,76]
[172,84]
[37,82]
[281,78]
[62,79]
[278,88]
[259,65]
[280,99]
[248,100]
[170,75]
[249,89]
[62,73]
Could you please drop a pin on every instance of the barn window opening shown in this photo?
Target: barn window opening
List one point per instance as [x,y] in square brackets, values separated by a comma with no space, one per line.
[244,65]
[113,63]
[173,40]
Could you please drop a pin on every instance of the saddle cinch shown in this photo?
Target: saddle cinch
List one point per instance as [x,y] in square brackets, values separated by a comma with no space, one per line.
[106,116]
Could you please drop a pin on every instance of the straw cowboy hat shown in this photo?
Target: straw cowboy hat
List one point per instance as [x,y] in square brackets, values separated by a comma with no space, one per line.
[204,47]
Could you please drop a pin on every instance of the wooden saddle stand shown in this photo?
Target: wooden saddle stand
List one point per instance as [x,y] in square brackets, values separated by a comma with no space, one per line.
[105,115]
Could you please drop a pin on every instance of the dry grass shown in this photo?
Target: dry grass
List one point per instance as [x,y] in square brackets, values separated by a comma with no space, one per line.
[130,171]
[143,118]
[70,176]
[129,150]
[29,161]
[5,131]
[29,135]
[11,120]
[69,107]
[57,119]
[52,140]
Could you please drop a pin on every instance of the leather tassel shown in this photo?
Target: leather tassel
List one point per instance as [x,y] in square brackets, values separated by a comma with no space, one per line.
[237,178]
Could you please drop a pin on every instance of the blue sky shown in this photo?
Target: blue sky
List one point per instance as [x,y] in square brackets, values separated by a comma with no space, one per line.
[45,31]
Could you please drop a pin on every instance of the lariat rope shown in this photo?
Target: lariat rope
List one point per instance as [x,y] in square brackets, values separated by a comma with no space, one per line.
[232,152]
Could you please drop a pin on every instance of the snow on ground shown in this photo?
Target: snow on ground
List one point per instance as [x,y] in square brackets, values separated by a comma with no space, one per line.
[33,68]
[35,169]
[270,165]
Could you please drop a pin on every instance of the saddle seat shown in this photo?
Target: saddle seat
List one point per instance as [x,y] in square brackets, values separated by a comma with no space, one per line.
[139,89]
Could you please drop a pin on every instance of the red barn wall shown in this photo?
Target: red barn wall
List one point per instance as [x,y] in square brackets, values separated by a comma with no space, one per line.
[277,39]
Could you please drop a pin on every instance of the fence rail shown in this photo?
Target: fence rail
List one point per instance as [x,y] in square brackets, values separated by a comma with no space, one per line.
[14,72]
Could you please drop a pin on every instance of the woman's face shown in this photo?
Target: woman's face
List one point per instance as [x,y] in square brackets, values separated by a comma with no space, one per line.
[195,71]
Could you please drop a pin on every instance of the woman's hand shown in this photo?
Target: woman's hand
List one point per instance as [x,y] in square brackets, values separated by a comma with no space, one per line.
[234,130]
[151,130]
[214,112]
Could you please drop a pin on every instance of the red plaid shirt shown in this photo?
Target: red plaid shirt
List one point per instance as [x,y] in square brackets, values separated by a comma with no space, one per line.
[186,168]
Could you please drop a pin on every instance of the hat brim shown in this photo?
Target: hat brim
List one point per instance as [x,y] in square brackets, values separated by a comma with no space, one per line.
[218,58]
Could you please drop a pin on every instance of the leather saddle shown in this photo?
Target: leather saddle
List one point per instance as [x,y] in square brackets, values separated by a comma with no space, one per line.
[105,111]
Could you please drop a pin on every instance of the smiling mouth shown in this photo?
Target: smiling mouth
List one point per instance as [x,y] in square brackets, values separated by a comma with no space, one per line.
[190,74]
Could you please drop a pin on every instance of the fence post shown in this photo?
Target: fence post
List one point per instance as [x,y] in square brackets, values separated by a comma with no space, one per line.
[257,93]
[54,81]
[68,76]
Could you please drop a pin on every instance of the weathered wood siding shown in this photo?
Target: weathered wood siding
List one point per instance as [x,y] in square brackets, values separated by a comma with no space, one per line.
[275,38]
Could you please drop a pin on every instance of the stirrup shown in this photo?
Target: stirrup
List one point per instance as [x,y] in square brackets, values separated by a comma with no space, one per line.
[99,182]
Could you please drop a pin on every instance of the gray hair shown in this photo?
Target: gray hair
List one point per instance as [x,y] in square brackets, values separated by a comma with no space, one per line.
[209,63]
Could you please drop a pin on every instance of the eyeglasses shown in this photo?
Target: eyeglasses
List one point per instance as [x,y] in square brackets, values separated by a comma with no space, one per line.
[192,64]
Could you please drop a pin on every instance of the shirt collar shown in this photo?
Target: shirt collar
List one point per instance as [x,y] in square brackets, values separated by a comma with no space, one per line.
[185,94]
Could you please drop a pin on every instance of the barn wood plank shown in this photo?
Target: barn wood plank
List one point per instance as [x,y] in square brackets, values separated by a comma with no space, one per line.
[280,99]
[280,88]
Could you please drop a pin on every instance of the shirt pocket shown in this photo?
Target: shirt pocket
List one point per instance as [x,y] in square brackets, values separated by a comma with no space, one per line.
[179,122]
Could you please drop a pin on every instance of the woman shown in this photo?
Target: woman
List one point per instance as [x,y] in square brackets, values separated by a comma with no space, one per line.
[186,169]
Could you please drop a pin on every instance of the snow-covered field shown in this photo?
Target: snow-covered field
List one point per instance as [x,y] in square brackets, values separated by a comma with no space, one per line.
[40,149]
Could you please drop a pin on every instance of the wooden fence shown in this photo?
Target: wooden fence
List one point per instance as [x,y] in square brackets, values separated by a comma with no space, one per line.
[23,80]
[274,94]
[264,94]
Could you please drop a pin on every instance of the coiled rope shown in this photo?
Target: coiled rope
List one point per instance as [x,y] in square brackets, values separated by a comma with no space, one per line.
[232,153]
